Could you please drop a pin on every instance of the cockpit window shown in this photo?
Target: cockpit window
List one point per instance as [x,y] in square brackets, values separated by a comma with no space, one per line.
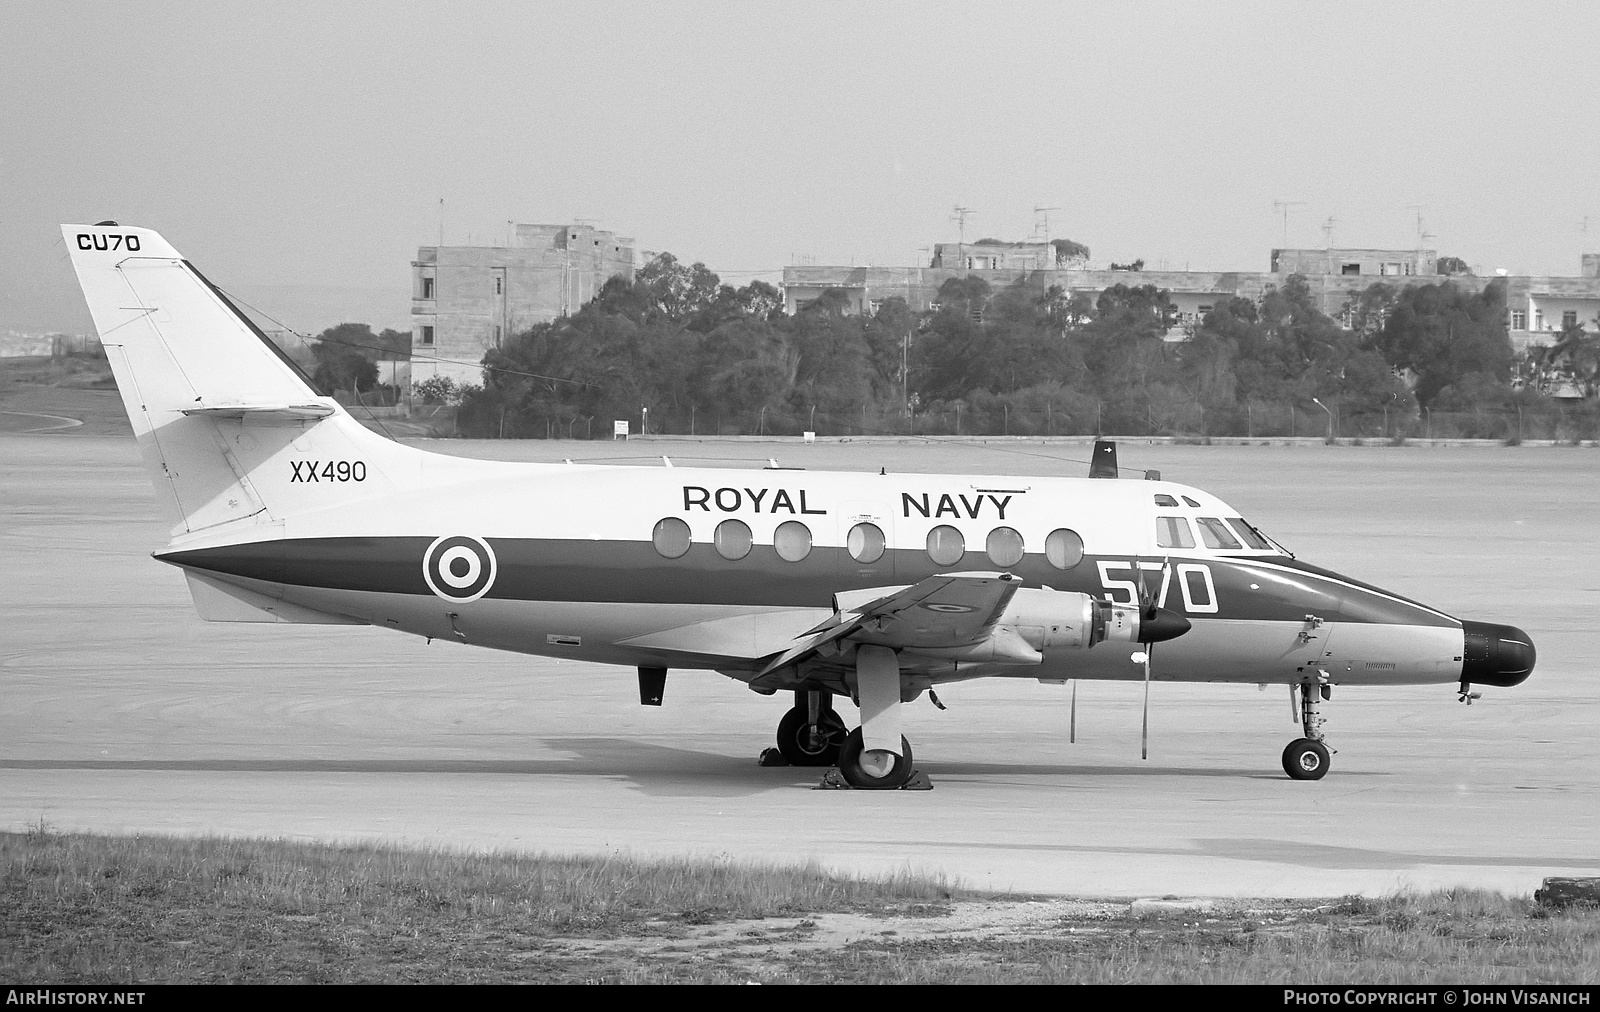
[1191,502]
[1214,534]
[1173,532]
[1162,499]
[1251,536]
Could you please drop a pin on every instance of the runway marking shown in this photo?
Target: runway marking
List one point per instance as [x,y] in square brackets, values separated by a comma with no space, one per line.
[64,423]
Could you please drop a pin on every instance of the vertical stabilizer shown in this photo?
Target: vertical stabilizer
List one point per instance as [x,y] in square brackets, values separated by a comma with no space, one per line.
[225,422]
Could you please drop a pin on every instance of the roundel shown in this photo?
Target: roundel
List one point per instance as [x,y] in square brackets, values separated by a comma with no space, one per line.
[459,568]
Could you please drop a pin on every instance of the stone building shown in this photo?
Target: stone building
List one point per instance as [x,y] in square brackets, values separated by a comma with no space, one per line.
[468,299]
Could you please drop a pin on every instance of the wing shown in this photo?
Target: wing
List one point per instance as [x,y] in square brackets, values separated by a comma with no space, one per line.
[945,611]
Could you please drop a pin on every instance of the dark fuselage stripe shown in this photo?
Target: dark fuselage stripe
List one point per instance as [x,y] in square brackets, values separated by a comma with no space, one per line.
[532,569]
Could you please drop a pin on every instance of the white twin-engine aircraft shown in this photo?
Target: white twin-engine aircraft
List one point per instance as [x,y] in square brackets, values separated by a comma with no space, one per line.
[872,586]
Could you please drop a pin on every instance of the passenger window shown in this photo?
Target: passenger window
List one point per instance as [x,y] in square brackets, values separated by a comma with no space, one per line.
[671,538]
[792,540]
[1063,549]
[732,540]
[1173,532]
[1004,547]
[865,542]
[946,545]
[1165,500]
[1251,536]
[1214,533]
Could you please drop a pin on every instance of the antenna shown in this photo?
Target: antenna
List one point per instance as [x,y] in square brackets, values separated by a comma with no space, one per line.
[1041,215]
[1327,231]
[1284,205]
[1421,241]
[960,217]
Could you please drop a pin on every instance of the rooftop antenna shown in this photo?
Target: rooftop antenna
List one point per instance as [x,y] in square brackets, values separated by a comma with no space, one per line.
[960,218]
[1041,216]
[1327,231]
[1417,208]
[1284,205]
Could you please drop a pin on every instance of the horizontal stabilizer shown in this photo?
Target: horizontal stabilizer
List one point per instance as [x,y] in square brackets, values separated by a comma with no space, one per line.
[267,413]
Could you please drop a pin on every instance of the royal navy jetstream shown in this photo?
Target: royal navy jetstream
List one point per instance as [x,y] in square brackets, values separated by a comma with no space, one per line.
[875,587]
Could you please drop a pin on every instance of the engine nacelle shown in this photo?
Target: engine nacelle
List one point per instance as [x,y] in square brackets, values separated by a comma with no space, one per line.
[1049,619]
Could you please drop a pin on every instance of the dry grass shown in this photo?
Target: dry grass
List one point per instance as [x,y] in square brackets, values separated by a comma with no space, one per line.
[85,909]
[102,909]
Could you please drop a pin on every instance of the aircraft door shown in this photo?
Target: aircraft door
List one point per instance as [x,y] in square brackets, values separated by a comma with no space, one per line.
[866,530]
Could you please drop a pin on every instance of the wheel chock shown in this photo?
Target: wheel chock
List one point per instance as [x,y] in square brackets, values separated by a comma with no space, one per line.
[771,757]
[833,780]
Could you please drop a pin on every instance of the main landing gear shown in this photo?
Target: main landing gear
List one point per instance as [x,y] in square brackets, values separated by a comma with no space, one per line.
[1307,758]
[811,733]
[875,756]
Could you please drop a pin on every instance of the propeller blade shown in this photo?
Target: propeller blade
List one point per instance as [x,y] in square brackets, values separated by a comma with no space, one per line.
[1144,733]
[1072,732]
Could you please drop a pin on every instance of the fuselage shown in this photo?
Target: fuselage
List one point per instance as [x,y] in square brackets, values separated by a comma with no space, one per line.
[718,568]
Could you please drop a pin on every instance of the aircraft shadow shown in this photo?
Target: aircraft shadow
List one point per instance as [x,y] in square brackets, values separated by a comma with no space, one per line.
[652,769]
[954,769]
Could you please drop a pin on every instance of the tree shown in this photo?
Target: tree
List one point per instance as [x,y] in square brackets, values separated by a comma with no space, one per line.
[345,357]
[1442,333]
[1453,265]
[675,292]
[1069,253]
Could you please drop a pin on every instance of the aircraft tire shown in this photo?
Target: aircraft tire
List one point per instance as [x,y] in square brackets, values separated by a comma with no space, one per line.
[794,738]
[1305,759]
[861,777]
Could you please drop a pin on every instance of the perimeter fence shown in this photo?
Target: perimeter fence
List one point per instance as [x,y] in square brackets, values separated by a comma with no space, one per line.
[1547,420]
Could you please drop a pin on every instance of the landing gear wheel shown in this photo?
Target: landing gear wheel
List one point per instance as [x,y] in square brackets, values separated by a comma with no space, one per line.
[802,747]
[1305,759]
[874,770]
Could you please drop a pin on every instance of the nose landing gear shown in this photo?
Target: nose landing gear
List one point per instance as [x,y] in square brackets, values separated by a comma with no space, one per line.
[1308,758]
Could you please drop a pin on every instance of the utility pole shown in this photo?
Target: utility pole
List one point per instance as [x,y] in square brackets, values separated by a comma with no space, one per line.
[905,375]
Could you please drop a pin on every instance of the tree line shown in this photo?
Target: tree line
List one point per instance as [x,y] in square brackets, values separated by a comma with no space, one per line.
[677,350]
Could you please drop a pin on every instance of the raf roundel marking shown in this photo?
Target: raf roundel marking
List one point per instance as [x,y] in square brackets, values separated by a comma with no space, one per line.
[459,568]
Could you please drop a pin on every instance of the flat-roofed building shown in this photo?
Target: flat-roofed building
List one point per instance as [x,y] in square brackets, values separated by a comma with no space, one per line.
[1537,306]
[468,299]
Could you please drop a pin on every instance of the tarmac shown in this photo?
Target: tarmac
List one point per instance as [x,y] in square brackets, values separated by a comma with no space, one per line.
[122,712]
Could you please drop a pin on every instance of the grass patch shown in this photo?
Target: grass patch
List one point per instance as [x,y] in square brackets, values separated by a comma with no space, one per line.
[96,909]
[87,908]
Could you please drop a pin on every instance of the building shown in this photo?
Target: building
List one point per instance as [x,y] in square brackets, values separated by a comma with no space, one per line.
[1537,306]
[466,300]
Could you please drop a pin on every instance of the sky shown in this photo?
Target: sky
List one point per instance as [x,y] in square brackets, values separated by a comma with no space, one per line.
[285,146]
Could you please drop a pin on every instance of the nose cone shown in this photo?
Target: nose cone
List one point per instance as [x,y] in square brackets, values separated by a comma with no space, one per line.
[1159,624]
[1496,654]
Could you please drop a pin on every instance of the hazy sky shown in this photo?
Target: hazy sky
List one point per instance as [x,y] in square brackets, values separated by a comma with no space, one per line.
[310,143]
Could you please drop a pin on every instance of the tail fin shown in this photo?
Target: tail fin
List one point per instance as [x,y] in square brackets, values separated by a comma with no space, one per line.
[218,409]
